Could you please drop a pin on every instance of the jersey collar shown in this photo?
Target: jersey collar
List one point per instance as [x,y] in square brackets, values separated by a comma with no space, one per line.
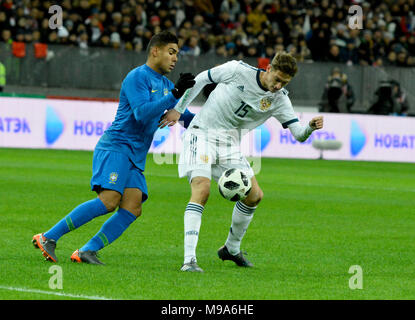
[259,81]
[155,73]
[281,91]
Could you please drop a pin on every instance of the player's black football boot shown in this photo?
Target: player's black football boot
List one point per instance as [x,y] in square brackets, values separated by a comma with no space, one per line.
[191,267]
[239,258]
[86,257]
[47,246]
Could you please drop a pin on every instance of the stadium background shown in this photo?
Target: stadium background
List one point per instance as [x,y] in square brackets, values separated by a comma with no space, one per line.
[87,60]
[100,41]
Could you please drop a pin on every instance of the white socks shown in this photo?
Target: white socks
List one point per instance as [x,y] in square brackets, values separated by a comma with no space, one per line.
[192,221]
[241,218]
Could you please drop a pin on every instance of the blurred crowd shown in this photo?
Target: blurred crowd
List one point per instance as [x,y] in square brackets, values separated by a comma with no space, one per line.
[312,30]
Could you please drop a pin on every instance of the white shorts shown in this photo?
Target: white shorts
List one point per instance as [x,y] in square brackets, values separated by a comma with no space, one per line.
[209,154]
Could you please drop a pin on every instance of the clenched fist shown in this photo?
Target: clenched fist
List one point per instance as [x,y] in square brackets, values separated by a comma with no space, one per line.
[316,123]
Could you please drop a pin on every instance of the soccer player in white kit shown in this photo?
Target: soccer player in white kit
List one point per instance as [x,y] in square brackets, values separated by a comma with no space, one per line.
[244,98]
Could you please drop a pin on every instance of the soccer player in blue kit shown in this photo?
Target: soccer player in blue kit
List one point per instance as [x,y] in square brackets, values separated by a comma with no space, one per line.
[120,154]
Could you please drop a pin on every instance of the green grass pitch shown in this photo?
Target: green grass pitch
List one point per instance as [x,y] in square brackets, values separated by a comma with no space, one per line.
[317,219]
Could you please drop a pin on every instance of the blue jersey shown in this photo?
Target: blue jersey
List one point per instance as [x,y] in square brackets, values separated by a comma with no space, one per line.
[145,95]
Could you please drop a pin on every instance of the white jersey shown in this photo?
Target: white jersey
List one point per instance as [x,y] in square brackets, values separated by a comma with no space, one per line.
[239,100]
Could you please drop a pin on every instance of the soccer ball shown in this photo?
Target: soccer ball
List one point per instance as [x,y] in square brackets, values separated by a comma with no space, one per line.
[234,185]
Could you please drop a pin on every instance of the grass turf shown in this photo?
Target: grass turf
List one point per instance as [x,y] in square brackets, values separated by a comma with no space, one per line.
[317,219]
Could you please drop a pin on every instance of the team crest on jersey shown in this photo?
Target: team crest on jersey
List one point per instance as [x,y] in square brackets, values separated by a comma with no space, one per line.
[204,158]
[113,177]
[265,104]
[166,91]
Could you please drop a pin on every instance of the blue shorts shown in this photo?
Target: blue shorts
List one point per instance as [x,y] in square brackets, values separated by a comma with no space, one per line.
[113,170]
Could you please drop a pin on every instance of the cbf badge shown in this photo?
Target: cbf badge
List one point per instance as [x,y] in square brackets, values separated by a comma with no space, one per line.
[113,177]
[166,91]
[265,104]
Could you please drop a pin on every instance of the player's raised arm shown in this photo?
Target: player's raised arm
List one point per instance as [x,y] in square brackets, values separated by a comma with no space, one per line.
[218,74]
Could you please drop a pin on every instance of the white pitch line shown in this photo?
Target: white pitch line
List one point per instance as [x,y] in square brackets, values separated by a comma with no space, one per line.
[69,295]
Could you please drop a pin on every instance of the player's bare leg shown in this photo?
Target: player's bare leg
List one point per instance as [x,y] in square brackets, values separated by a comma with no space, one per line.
[255,195]
[110,198]
[200,190]
[131,201]
[242,215]
[200,187]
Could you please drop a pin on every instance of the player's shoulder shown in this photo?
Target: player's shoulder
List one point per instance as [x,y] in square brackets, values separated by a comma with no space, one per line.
[284,92]
[282,100]
[134,73]
[232,64]
[245,65]
[241,68]
[141,71]
[143,75]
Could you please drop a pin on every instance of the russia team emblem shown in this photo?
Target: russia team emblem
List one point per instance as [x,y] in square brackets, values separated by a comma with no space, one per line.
[265,104]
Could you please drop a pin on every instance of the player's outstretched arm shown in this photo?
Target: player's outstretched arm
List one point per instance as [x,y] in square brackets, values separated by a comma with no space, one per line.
[301,133]
[171,117]
[201,81]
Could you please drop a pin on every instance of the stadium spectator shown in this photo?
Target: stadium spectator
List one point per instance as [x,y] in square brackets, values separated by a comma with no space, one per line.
[83,40]
[6,36]
[349,54]
[191,47]
[389,99]
[2,76]
[338,95]
[115,40]
[104,41]
[334,54]
[4,21]
[388,26]
[319,42]
[200,25]
[366,54]
[232,7]
[257,20]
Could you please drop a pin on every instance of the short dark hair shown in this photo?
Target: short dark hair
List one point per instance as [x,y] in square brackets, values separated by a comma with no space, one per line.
[285,63]
[162,39]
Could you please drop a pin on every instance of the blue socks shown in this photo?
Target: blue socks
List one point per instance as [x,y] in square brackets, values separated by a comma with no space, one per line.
[110,230]
[79,216]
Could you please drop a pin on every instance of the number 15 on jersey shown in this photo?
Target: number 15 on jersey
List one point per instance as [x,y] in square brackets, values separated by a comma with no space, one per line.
[243,109]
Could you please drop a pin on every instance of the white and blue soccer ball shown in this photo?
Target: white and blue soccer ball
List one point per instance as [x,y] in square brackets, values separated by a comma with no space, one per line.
[234,185]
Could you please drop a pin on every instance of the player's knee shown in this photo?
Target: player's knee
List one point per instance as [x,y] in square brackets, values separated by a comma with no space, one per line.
[200,196]
[260,195]
[200,190]
[111,205]
[254,198]
[110,199]
[136,211]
